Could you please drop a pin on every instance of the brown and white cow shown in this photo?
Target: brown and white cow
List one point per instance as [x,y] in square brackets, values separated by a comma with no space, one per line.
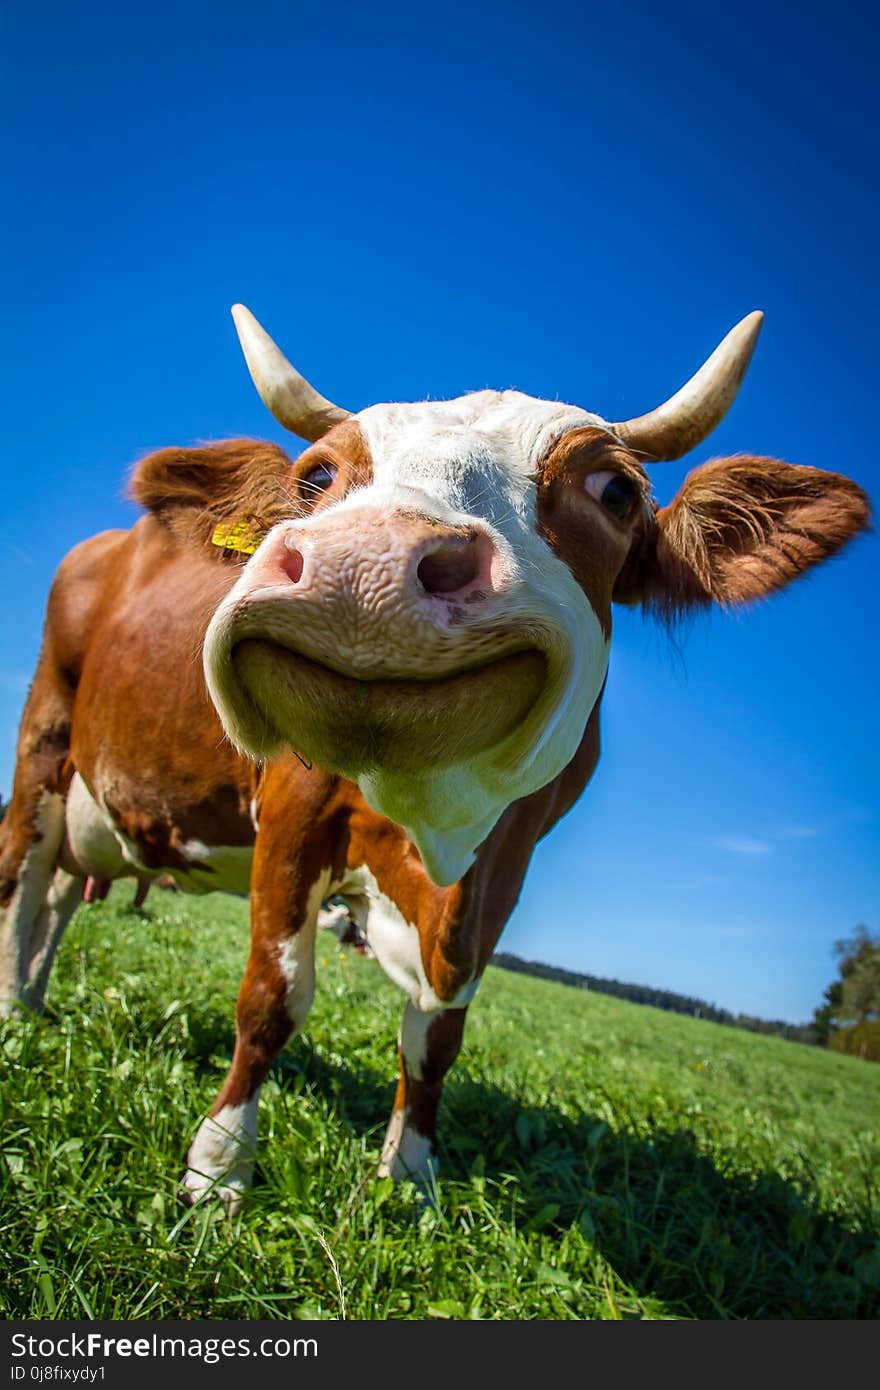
[408,668]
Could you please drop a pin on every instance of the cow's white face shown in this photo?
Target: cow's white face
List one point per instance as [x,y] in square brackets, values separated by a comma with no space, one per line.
[432,621]
[435,621]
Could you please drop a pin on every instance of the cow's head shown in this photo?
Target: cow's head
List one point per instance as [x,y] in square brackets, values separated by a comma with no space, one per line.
[433,619]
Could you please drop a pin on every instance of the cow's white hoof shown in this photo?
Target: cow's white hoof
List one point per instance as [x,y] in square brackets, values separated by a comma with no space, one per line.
[408,1156]
[198,1187]
[220,1162]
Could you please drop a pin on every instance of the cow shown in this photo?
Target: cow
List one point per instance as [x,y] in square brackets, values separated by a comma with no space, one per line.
[366,683]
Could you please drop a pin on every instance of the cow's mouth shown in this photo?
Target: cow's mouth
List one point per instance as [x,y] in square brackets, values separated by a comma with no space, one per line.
[352,726]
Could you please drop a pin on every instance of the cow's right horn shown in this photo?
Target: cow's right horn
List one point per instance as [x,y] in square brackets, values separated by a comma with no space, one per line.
[293,402]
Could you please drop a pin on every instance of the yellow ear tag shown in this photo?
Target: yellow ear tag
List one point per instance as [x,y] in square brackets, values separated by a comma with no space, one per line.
[237,535]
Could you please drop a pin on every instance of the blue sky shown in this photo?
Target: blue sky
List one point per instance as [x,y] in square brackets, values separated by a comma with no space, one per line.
[576,201]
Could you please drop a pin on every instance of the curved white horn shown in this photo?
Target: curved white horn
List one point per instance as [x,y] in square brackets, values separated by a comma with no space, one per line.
[685,420]
[296,404]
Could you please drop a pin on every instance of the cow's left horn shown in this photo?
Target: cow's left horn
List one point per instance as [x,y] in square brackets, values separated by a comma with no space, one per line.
[296,404]
[692,413]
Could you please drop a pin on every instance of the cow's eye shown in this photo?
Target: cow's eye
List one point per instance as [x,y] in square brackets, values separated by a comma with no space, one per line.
[319,477]
[617,493]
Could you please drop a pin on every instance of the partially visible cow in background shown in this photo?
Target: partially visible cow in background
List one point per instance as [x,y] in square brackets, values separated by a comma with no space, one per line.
[405,636]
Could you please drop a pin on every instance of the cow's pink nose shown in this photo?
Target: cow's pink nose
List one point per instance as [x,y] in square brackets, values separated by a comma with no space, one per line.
[450,566]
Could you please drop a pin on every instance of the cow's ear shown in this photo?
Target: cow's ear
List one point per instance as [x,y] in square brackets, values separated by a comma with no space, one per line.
[739,529]
[227,480]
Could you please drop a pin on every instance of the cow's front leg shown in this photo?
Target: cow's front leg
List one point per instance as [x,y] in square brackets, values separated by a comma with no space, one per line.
[29,844]
[428,1045]
[273,1003]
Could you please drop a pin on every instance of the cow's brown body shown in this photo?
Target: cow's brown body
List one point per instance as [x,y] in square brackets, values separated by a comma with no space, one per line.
[126,610]
[425,626]
[119,697]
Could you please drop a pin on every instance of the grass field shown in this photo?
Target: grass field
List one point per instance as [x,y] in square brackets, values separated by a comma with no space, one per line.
[600,1159]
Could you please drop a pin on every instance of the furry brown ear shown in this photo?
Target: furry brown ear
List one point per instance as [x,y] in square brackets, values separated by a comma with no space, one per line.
[741,528]
[192,490]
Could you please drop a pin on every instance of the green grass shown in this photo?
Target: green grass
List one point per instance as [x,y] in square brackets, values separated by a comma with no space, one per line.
[600,1159]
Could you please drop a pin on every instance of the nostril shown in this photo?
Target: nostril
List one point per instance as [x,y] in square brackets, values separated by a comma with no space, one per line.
[449,567]
[292,563]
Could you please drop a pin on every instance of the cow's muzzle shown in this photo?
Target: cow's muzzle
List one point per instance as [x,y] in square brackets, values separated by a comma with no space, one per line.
[373,596]
[368,639]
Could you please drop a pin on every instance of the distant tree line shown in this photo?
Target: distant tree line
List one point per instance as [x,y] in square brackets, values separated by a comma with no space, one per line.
[849,1019]
[658,998]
